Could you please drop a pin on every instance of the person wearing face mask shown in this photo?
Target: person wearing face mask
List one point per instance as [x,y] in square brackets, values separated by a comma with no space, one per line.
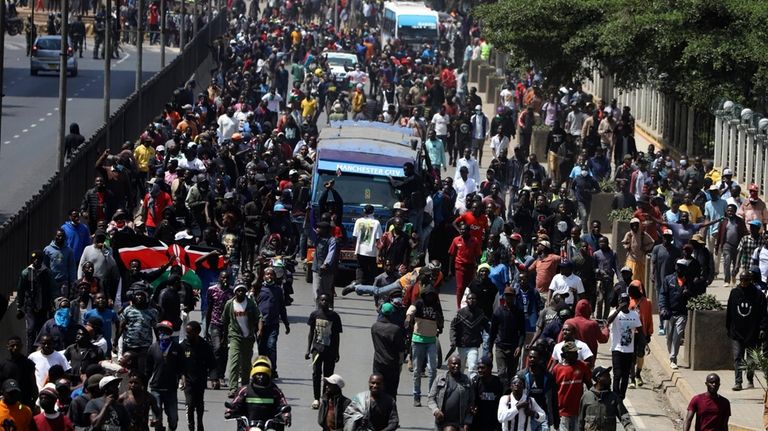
[13,414]
[60,327]
[753,208]
[164,358]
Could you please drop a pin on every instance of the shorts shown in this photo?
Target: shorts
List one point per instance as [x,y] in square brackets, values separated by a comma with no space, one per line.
[640,344]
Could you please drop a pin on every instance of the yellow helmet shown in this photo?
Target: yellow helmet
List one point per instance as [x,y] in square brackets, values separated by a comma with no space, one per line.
[318,72]
[262,365]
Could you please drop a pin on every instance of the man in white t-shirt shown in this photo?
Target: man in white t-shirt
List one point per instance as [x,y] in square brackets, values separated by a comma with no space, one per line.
[45,358]
[569,334]
[624,323]
[464,185]
[499,142]
[567,284]
[367,232]
[441,121]
[507,96]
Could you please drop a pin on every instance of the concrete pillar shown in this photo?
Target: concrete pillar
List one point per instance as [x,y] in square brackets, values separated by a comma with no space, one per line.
[749,172]
[760,176]
[739,174]
[731,139]
[718,143]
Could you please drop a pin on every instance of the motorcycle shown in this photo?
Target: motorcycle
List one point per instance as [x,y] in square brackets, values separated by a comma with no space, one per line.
[275,424]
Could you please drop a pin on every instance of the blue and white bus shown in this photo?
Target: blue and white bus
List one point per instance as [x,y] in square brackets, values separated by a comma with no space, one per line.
[411,22]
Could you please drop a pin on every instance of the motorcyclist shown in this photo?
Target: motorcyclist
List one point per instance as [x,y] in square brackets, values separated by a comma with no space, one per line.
[261,400]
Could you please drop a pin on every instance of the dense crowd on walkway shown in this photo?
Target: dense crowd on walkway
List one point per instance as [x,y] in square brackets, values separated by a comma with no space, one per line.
[210,209]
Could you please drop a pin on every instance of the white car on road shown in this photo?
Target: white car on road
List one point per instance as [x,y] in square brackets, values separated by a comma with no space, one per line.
[342,65]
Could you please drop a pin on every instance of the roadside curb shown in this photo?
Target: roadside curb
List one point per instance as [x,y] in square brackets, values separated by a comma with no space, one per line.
[672,379]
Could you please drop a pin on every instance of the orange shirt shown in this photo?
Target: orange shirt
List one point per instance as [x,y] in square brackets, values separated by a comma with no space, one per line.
[545,271]
[16,416]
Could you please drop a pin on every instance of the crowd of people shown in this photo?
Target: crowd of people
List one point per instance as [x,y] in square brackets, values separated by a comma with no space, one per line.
[223,179]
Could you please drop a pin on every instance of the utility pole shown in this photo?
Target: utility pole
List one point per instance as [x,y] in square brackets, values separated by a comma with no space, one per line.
[182,28]
[2,64]
[139,42]
[194,19]
[162,34]
[64,56]
[107,65]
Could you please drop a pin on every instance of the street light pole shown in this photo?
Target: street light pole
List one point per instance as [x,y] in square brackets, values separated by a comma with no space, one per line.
[2,65]
[64,56]
[182,28]
[107,65]
[162,34]
[194,19]
[139,43]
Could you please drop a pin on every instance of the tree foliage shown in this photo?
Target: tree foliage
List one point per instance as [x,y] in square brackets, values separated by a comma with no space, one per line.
[700,50]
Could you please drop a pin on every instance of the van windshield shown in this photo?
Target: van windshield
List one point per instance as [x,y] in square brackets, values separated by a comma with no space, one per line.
[359,190]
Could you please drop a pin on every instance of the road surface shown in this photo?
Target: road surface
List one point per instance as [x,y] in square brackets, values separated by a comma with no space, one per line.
[29,136]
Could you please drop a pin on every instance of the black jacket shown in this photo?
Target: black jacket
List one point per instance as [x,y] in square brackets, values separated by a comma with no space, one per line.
[388,342]
[467,327]
[198,361]
[745,315]
[166,368]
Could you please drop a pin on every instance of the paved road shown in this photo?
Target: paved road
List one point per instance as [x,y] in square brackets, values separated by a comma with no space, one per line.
[357,315]
[29,136]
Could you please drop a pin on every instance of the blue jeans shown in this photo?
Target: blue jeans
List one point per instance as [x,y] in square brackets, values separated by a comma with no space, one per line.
[469,357]
[368,289]
[268,344]
[423,352]
[168,401]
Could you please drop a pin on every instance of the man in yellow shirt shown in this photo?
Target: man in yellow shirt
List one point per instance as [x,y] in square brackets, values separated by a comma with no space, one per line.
[693,210]
[143,154]
[358,100]
[309,107]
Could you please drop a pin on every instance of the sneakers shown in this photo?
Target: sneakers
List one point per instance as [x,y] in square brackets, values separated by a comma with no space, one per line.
[347,290]
[315,404]
[662,331]
[632,384]
[417,402]
[736,387]
[639,380]
[673,365]
[726,285]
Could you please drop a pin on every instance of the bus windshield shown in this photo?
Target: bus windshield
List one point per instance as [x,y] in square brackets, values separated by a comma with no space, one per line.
[417,27]
[360,190]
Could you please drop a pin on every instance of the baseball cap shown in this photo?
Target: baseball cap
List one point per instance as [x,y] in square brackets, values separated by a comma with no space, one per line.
[516,237]
[106,380]
[545,244]
[727,172]
[714,188]
[683,262]
[11,385]
[565,263]
[293,172]
[165,324]
[599,371]
[698,238]
[755,223]
[93,381]
[754,187]
[626,269]
[624,297]
[50,390]
[238,286]
[667,232]
[160,148]
[335,379]
[387,308]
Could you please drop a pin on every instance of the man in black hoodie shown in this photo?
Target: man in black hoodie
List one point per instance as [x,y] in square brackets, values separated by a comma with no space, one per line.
[74,139]
[467,333]
[745,320]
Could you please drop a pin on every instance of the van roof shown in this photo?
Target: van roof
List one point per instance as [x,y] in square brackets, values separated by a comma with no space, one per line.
[367,143]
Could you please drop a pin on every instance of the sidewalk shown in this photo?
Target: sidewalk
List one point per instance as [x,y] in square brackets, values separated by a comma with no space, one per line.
[678,386]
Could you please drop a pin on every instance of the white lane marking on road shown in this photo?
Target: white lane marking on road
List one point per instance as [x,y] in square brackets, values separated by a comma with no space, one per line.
[33,125]
[69,99]
[124,58]
[7,142]
[41,119]
[15,136]
[25,131]
[48,114]
[55,109]
[633,414]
